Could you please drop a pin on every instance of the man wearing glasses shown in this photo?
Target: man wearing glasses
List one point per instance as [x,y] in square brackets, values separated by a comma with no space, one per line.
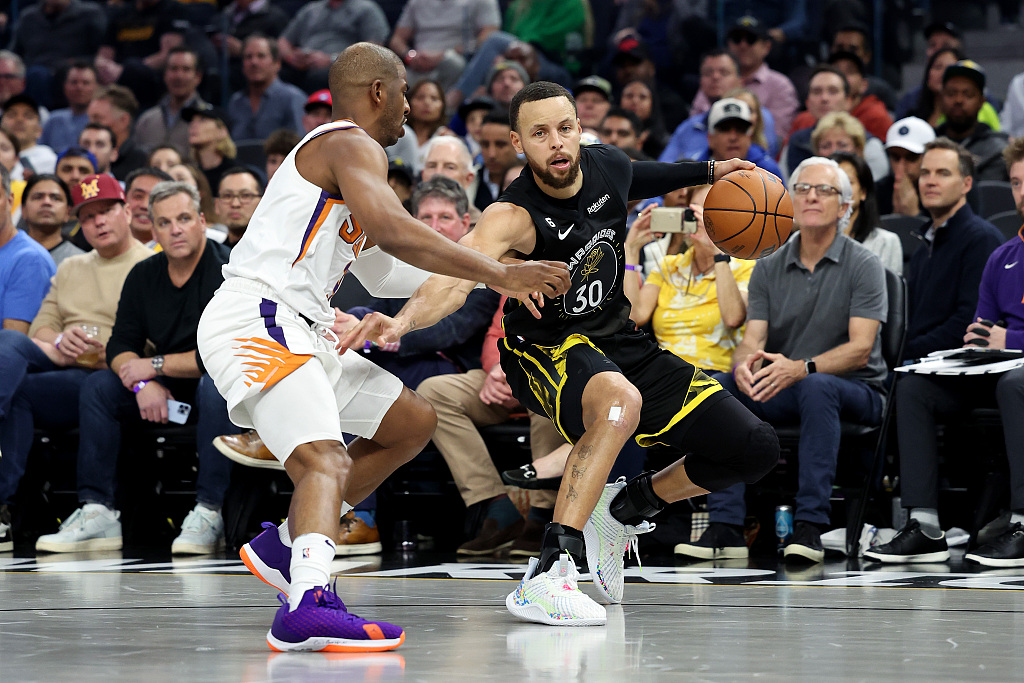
[238,195]
[810,354]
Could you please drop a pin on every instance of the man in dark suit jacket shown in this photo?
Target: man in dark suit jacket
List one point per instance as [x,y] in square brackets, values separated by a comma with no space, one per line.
[499,156]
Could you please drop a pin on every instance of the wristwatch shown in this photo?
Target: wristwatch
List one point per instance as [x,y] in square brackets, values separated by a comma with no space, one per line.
[722,258]
[810,366]
[158,364]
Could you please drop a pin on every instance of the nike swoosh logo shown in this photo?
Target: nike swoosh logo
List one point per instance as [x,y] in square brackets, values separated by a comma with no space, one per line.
[1010,265]
[561,235]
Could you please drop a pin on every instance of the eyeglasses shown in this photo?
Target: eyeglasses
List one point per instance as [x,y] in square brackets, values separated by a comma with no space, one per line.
[244,197]
[748,38]
[822,190]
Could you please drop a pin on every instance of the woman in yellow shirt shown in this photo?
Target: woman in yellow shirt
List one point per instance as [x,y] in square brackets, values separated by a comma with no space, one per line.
[696,300]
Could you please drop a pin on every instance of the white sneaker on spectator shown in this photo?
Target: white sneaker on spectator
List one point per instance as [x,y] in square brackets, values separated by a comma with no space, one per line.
[90,527]
[202,532]
[6,533]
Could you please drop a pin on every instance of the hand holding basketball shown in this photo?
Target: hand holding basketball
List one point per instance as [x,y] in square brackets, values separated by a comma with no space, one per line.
[748,213]
[724,168]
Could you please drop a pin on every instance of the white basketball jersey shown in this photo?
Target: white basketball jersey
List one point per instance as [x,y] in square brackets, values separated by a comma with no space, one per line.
[301,239]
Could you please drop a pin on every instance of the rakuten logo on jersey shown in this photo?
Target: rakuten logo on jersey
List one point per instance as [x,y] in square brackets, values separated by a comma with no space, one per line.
[596,206]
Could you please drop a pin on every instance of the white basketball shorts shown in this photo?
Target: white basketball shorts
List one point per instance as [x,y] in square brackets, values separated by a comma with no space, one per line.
[282,377]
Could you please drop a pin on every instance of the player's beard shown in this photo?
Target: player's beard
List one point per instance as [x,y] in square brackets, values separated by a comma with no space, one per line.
[550,179]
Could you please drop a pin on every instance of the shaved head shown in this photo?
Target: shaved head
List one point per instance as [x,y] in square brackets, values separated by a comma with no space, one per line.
[368,86]
[361,64]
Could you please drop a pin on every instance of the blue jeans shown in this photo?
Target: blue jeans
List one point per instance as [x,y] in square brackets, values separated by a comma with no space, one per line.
[105,405]
[475,73]
[818,402]
[32,390]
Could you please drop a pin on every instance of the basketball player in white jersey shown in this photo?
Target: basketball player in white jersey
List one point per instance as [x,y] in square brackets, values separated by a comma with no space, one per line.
[265,339]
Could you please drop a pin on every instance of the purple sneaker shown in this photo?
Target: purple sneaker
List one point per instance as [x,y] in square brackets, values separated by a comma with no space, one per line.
[269,559]
[322,624]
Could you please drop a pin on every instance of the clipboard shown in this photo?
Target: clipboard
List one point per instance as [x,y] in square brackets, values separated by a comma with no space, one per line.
[969,361]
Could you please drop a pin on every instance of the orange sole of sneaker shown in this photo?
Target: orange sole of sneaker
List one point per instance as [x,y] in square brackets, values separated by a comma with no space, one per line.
[255,572]
[348,646]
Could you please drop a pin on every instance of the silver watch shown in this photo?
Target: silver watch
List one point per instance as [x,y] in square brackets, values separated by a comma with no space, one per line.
[158,364]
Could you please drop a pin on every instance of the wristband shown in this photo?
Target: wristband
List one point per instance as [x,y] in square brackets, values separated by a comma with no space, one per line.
[722,258]
[629,267]
[711,172]
[60,338]
[137,387]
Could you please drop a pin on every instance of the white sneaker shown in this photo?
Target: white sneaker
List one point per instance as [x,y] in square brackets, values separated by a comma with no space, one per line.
[202,533]
[607,541]
[554,598]
[90,527]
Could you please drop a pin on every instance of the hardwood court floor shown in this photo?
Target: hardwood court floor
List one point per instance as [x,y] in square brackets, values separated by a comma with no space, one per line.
[141,617]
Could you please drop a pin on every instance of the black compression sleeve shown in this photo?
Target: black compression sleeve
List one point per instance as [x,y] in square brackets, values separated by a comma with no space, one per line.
[654,178]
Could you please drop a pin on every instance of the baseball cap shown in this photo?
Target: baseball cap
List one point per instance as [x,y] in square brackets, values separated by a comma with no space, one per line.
[727,109]
[469,106]
[967,68]
[321,98]
[22,98]
[505,65]
[206,110]
[594,84]
[911,134]
[80,152]
[941,27]
[747,25]
[94,188]
[630,48]
[398,168]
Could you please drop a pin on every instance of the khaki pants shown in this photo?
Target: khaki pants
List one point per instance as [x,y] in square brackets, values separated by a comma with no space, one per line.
[460,412]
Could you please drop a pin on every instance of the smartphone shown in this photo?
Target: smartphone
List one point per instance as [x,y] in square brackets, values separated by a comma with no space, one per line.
[177,412]
[673,219]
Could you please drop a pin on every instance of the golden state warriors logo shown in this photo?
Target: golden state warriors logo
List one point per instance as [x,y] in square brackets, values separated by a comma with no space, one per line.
[595,277]
[90,189]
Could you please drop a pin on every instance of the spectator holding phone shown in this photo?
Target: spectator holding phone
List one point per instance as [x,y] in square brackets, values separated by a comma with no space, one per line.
[696,297]
[161,301]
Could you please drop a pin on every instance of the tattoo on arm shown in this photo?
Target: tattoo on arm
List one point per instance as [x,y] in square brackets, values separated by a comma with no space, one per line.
[577,472]
[585,452]
[571,495]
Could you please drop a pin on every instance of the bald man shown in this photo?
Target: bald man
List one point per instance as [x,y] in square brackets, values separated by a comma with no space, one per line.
[267,341]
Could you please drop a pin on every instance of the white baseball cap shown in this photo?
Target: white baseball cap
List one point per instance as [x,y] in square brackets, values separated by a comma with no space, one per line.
[728,108]
[911,134]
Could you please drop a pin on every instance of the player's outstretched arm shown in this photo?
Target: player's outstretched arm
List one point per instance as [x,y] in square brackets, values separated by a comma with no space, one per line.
[503,229]
[360,169]
[655,178]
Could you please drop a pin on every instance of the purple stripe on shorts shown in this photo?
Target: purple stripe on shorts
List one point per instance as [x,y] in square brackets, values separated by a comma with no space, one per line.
[268,309]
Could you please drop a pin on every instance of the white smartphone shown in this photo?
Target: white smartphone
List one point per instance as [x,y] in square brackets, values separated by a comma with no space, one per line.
[177,412]
[673,219]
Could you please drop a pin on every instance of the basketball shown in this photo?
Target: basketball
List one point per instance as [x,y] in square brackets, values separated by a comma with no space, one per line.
[748,214]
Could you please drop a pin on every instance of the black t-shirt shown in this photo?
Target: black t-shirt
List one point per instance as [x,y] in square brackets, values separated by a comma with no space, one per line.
[586,231]
[134,32]
[152,308]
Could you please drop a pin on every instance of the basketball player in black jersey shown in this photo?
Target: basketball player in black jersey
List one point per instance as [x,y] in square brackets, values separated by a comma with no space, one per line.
[580,360]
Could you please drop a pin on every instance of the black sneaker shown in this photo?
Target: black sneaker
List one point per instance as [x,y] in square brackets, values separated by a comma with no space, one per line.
[911,545]
[718,542]
[6,534]
[526,478]
[1005,551]
[805,545]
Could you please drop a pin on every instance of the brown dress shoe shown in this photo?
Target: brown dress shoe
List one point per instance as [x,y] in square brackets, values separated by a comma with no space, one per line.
[247,449]
[491,538]
[528,543]
[357,537]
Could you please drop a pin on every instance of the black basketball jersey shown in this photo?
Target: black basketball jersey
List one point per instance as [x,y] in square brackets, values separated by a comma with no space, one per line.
[586,231]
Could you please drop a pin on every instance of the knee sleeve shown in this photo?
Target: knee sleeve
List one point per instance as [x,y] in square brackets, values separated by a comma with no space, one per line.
[762,452]
[738,460]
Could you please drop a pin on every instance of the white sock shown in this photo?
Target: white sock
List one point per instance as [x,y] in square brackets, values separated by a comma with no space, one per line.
[282,533]
[285,535]
[312,555]
[928,518]
[1017,518]
[90,508]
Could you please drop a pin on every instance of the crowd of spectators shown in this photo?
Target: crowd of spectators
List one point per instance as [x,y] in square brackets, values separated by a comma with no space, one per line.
[115,114]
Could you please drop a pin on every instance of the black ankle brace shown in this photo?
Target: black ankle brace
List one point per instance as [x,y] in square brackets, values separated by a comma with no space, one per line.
[558,539]
[637,502]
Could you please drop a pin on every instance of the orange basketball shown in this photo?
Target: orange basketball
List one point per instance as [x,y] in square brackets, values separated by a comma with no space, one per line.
[748,214]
